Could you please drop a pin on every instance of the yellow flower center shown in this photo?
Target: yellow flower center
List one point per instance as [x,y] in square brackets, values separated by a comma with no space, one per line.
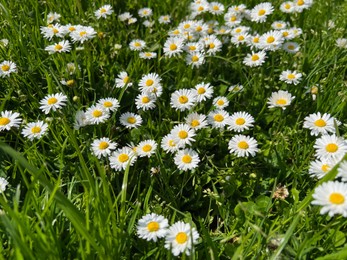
[325,168]
[52,101]
[58,47]
[287,6]
[186,26]
[149,82]
[108,104]
[186,158]
[183,99]
[291,47]
[72,28]
[148,54]
[36,129]
[261,12]
[238,30]
[320,123]
[181,237]
[336,198]
[281,102]
[103,10]
[233,18]
[173,47]
[201,8]
[195,123]
[126,80]
[137,44]
[241,38]
[70,82]
[256,39]
[314,90]
[331,148]
[97,113]
[55,30]
[123,157]
[5,67]
[201,91]
[215,7]
[212,45]
[195,58]
[285,34]
[172,143]
[218,118]
[131,120]
[291,76]
[103,145]
[183,134]
[240,121]
[146,148]
[192,48]
[255,57]
[243,145]
[300,2]
[270,39]
[145,100]
[176,32]
[4,120]
[220,102]
[83,33]
[198,28]
[153,226]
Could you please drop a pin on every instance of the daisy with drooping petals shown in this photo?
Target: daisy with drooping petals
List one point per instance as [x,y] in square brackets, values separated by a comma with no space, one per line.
[6,68]
[218,118]
[103,11]
[280,99]
[53,102]
[168,144]
[204,91]
[35,130]
[137,45]
[53,16]
[330,147]
[97,114]
[320,124]
[332,195]
[291,77]
[183,135]
[121,158]
[196,121]
[146,148]
[152,226]
[260,12]
[9,119]
[243,146]
[123,80]
[180,238]
[186,159]
[255,59]
[319,168]
[240,121]
[183,99]
[145,101]
[103,147]
[82,34]
[109,104]
[130,120]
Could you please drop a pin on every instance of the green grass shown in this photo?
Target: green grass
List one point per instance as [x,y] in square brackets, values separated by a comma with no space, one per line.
[63,202]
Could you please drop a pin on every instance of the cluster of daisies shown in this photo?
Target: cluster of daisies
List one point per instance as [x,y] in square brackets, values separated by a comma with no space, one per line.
[179,237]
[329,151]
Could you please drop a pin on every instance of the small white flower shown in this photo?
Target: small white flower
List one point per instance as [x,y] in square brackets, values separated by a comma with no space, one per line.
[218,118]
[137,45]
[183,99]
[6,68]
[320,124]
[196,121]
[53,102]
[260,12]
[146,148]
[319,168]
[243,146]
[123,80]
[330,147]
[291,77]
[121,158]
[152,227]
[280,99]
[97,114]
[9,119]
[204,91]
[182,135]
[82,34]
[103,11]
[168,144]
[130,120]
[3,184]
[255,59]
[109,104]
[240,121]
[186,159]
[103,147]
[35,130]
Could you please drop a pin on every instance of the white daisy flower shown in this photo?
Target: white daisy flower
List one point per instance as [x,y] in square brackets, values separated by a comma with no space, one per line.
[103,147]
[236,88]
[220,102]
[199,8]
[280,99]
[180,238]
[260,12]
[146,148]
[35,130]
[240,38]
[332,195]
[145,12]
[137,45]
[232,19]
[320,124]
[151,227]
[97,114]
[173,46]
[341,43]
[287,7]
[69,28]
[213,44]
[52,30]
[296,31]
[240,121]
[6,68]
[279,25]
[287,34]
[124,16]
[53,102]
[319,168]
[109,104]
[148,82]
[216,8]
[271,40]
[53,16]
[240,30]
[145,101]
[199,28]
[291,47]
[130,120]
[168,144]
[3,184]
[192,47]
[122,80]
[183,99]
[204,91]
[196,59]
[342,171]
[330,147]
[182,135]
[255,59]
[9,119]
[147,55]
[291,77]
[186,159]
[121,158]
[218,118]
[254,41]
[82,34]
[301,5]
[103,11]
[164,19]
[196,121]
[243,146]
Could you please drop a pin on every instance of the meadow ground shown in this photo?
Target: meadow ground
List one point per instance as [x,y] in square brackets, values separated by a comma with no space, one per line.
[173,129]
